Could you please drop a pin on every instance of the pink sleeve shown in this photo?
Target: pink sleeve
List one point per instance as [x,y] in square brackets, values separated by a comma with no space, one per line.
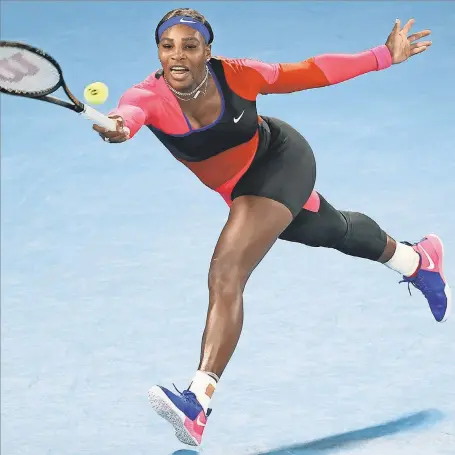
[341,67]
[319,71]
[134,107]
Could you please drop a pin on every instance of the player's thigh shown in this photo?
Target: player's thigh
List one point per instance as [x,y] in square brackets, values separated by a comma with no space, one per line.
[253,226]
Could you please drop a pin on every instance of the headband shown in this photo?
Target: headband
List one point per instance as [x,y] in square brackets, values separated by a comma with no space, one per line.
[185,20]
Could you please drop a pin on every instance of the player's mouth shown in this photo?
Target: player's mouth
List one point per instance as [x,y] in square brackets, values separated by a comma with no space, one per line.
[179,72]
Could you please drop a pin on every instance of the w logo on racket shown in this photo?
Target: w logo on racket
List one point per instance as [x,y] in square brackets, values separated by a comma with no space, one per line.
[16,67]
[32,73]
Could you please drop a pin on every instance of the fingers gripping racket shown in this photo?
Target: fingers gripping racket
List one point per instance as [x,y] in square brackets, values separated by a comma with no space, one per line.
[31,73]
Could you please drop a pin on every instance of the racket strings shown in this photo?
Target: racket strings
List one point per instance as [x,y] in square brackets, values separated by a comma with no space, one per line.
[26,72]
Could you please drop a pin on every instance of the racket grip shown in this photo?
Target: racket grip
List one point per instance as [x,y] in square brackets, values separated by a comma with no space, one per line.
[99,118]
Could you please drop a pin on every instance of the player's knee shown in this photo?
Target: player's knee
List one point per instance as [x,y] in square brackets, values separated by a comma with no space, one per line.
[364,238]
[225,277]
[316,232]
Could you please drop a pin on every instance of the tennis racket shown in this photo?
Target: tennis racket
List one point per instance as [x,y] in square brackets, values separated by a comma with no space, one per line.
[32,73]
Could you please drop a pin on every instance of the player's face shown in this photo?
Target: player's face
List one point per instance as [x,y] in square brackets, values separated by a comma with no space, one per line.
[183,54]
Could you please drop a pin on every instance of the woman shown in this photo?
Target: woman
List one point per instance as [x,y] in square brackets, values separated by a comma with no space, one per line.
[203,109]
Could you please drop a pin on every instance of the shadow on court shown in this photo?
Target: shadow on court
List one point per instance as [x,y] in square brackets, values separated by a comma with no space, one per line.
[352,438]
[356,437]
[185,452]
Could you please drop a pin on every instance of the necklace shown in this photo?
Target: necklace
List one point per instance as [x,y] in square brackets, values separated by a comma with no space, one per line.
[203,91]
[194,93]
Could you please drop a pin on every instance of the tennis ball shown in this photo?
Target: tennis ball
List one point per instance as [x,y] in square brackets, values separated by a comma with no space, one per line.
[96,93]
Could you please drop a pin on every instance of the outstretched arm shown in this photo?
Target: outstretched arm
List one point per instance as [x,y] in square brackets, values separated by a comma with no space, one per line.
[329,69]
[325,70]
[133,107]
[131,113]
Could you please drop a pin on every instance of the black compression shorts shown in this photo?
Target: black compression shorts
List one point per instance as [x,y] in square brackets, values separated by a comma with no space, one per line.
[284,168]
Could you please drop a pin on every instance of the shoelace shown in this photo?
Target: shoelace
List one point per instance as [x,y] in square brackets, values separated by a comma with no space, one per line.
[191,397]
[420,285]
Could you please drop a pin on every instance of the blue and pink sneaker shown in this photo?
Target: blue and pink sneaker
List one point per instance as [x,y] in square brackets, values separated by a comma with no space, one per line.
[182,411]
[429,277]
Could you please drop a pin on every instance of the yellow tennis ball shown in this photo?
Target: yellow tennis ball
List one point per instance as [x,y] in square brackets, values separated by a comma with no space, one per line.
[96,93]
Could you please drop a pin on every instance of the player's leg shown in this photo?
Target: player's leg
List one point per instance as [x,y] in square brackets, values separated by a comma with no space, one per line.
[357,235]
[352,233]
[253,226]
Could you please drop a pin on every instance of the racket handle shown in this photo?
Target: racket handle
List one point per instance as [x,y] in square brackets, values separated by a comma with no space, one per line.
[99,118]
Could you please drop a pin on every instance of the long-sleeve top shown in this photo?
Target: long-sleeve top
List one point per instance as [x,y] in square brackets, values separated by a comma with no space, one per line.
[220,153]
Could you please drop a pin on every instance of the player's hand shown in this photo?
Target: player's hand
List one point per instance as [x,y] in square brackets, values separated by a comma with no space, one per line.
[402,46]
[122,133]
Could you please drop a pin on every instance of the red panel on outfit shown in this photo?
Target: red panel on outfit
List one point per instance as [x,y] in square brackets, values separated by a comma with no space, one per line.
[152,103]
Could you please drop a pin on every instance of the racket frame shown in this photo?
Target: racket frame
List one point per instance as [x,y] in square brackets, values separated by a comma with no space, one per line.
[44,95]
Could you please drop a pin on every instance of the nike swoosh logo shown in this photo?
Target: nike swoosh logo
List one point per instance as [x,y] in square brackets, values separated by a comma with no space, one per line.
[431,266]
[239,117]
[199,422]
[188,22]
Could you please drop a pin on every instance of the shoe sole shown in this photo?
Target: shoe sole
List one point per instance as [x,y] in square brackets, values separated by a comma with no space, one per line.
[447,290]
[161,404]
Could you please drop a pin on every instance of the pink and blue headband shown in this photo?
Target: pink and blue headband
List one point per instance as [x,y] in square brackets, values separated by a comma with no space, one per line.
[184,20]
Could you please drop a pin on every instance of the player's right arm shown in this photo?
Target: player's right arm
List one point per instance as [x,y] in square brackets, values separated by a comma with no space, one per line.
[132,112]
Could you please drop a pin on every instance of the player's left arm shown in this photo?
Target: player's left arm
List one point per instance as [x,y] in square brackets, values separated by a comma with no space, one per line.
[330,69]
[325,70]
[321,71]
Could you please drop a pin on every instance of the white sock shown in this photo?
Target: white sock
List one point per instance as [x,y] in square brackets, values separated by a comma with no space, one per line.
[203,386]
[405,260]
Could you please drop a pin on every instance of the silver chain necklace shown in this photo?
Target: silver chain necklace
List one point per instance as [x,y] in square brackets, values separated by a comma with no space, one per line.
[203,91]
[194,93]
